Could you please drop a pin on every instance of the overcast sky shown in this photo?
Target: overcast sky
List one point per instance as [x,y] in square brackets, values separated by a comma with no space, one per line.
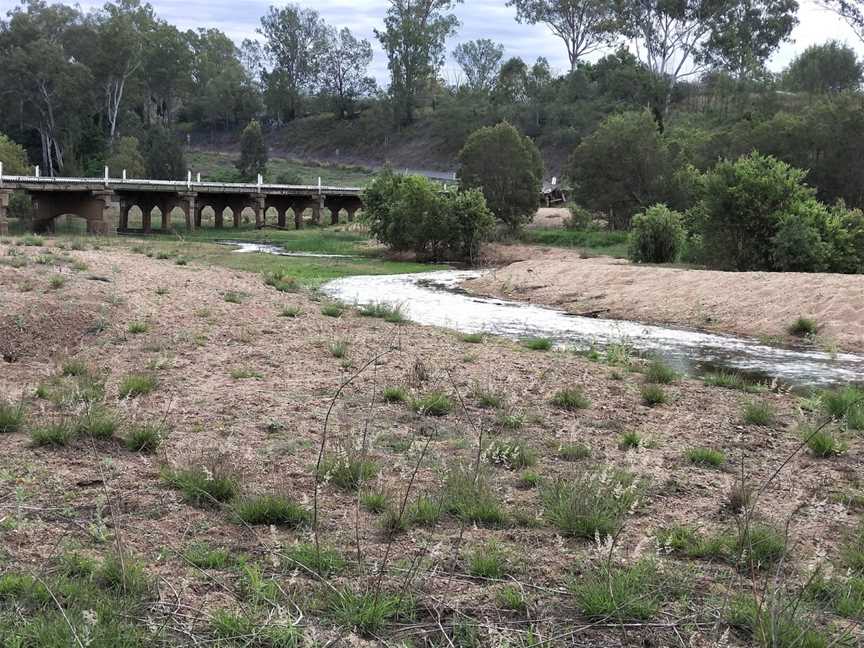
[479,18]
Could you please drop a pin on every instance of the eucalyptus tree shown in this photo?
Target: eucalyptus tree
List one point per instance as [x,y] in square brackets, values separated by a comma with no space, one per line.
[344,69]
[852,11]
[480,61]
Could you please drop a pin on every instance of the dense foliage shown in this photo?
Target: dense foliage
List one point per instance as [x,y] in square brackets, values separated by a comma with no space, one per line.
[253,152]
[412,213]
[657,236]
[507,168]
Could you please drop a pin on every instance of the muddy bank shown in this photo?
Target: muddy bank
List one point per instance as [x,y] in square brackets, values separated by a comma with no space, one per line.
[758,304]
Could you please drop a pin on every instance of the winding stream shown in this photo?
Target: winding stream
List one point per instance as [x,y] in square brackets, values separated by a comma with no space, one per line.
[434,298]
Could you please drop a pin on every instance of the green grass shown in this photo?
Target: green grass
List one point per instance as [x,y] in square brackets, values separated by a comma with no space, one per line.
[233,297]
[204,556]
[822,442]
[97,423]
[134,385]
[487,397]
[54,434]
[347,472]
[393,314]
[289,311]
[610,243]
[659,372]
[537,343]
[594,501]
[706,457]
[473,338]
[243,373]
[424,511]
[803,327]
[846,405]
[842,596]
[367,612]
[145,437]
[12,417]
[396,395]
[277,510]
[375,502]
[777,624]
[513,455]
[319,560]
[338,348]
[136,328]
[511,597]
[732,380]
[488,561]
[56,282]
[629,441]
[620,593]
[852,551]
[511,420]
[204,485]
[472,500]
[573,451]
[687,541]
[653,395]
[758,413]
[571,399]
[74,368]
[332,310]
[433,403]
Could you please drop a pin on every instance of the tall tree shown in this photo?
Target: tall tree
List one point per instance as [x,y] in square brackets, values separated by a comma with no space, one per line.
[585,26]
[414,35]
[166,68]
[480,60]
[294,43]
[253,152]
[828,68]
[344,64]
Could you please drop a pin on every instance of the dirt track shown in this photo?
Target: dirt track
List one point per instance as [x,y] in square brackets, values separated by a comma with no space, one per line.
[745,303]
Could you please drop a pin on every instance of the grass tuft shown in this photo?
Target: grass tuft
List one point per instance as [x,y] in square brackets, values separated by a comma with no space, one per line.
[368,612]
[97,423]
[758,413]
[56,434]
[488,561]
[706,457]
[513,455]
[660,373]
[631,593]
[347,472]
[207,484]
[277,510]
[319,560]
[145,437]
[537,343]
[395,395]
[571,399]
[11,417]
[653,395]
[433,403]
[803,327]
[134,385]
[332,310]
[136,328]
[471,499]
[629,441]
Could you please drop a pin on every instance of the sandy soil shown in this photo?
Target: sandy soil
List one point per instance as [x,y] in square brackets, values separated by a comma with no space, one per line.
[745,303]
[270,427]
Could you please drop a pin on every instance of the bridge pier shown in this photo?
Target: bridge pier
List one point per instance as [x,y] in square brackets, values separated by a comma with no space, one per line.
[260,207]
[5,196]
[187,204]
[92,206]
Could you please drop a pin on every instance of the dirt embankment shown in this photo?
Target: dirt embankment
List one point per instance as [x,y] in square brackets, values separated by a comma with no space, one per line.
[744,303]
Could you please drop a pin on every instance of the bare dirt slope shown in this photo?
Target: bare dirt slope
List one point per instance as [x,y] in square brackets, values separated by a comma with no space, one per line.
[240,380]
[746,303]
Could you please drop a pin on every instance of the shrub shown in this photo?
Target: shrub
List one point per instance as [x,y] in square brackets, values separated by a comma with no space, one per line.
[632,592]
[347,472]
[434,403]
[488,561]
[595,501]
[137,385]
[657,236]
[758,413]
[571,399]
[145,437]
[11,417]
[506,166]
[409,213]
[272,509]
[653,395]
[706,457]
[206,484]
[537,344]
[56,434]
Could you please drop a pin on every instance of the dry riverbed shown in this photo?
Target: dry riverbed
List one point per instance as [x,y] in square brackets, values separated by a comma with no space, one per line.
[758,304]
[243,379]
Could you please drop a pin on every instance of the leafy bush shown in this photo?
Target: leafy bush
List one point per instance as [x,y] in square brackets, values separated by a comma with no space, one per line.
[506,166]
[657,236]
[411,213]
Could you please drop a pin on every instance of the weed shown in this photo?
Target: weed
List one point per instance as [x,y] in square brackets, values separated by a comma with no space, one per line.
[375,502]
[804,327]
[822,442]
[706,457]
[632,592]
[513,455]
[393,314]
[653,395]
[97,423]
[487,397]
[731,380]
[488,561]
[338,348]
[368,612]
[201,555]
[510,597]
[242,373]
[758,413]
[206,484]
[347,472]
[233,297]
[619,354]
[473,338]
[11,417]
[529,479]
[629,441]
[512,420]
[537,343]
[846,405]
[471,499]
[56,282]
[595,502]
[134,385]
[135,328]
[290,311]
[573,451]
[145,437]
[395,395]
[332,310]
[434,403]
[319,560]
[272,509]
[571,399]
[56,434]
[659,372]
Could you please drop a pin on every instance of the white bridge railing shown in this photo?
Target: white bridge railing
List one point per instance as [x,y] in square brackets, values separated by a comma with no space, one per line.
[173,185]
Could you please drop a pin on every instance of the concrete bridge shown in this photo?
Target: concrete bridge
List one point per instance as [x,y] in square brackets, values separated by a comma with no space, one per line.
[97,200]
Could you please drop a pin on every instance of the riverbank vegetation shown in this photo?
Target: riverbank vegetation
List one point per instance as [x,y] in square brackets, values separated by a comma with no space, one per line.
[229,475]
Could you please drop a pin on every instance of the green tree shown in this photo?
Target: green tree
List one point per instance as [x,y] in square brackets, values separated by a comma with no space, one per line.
[822,69]
[506,166]
[164,155]
[585,26]
[413,37]
[624,166]
[126,156]
[657,236]
[13,157]
[344,64]
[253,152]
[480,60]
